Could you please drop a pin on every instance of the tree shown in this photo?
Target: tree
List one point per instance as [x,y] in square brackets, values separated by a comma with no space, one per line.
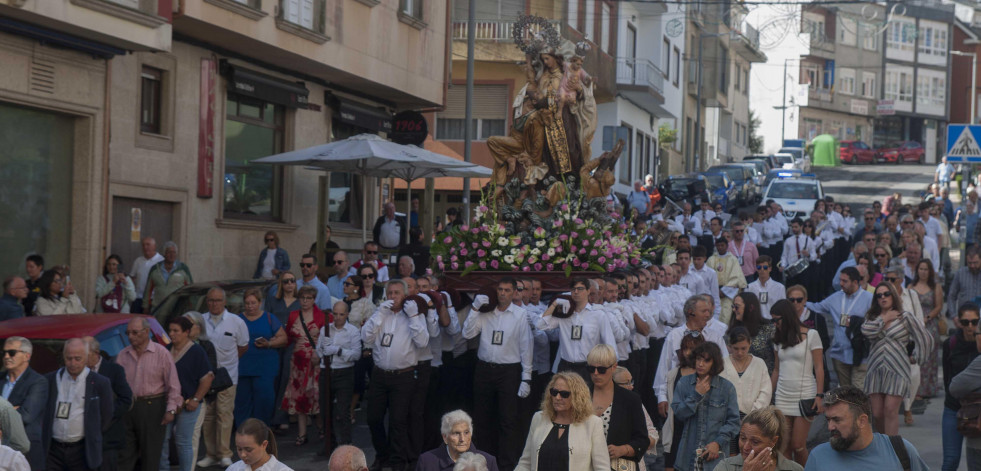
[755,140]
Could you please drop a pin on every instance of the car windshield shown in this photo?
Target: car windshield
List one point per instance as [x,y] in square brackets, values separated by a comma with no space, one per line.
[793,190]
[785,159]
[715,181]
[677,188]
[734,173]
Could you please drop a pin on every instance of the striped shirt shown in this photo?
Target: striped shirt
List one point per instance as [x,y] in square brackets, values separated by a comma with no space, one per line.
[964,287]
[151,373]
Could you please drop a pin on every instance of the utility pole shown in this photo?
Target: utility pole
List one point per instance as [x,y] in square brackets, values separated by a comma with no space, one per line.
[783,104]
[698,109]
[467,137]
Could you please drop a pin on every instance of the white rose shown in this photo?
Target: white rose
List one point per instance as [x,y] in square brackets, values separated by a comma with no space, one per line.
[536,252]
[495,253]
[509,259]
[540,243]
[551,252]
[503,241]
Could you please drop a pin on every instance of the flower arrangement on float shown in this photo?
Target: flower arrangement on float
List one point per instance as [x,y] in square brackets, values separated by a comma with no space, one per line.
[565,243]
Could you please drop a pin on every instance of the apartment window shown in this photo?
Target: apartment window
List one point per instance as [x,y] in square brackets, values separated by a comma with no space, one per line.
[605,27]
[746,80]
[490,105]
[812,75]
[574,14]
[899,86]
[151,93]
[931,90]
[666,57]
[590,19]
[253,129]
[677,66]
[901,35]
[868,85]
[933,41]
[814,25]
[846,81]
[300,12]
[738,76]
[626,162]
[848,32]
[412,8]
[723,70]
[869,36]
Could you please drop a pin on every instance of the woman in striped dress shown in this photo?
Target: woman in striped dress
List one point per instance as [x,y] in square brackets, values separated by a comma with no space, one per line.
[888,379]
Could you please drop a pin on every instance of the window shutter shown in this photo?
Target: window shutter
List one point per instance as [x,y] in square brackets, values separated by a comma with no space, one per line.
[306,14]
[489,102]
[291,12]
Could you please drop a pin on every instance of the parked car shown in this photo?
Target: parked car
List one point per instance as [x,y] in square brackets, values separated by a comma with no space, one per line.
[786,173]
[770,160]
[795,195]
[856,152]
[900,152]
[191,297]
[742,178]
[48,334]
[721,189]
[683,189]
[787,161]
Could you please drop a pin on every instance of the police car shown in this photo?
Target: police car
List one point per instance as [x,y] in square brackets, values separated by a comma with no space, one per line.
[795,195]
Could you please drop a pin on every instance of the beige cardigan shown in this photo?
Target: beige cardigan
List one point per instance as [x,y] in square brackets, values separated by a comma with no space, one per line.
[587,445]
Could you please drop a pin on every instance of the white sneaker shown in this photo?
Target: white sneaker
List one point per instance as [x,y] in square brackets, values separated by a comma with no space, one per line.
[226,462]
[209,461]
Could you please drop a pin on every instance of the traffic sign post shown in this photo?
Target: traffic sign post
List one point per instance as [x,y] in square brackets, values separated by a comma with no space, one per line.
[962,143]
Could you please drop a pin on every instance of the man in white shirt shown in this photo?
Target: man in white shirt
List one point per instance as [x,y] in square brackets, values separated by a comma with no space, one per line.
[704,215]
[340,344]
[79,409]
[141,268]
[393,332]
[370,255]
[711,277]
[768,291]
[584,328]
[389,230]
[230,336]
[796,247]
[503,372]
[752,233]
[689,224]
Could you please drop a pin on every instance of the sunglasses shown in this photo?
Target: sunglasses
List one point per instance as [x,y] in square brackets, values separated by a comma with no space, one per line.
[892,279]
[347,283]
[371,252]
[880,295]
[368,275]
[881,255]
[762,267]
[556,393]
[338,262]
[796,300]
[289,281]
[270,240]
[598,369]
[13,353]
[964,322]
[306,265]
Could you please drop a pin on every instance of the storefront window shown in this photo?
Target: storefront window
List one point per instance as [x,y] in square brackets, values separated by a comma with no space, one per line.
[253,129]
[345,188]
[35,185]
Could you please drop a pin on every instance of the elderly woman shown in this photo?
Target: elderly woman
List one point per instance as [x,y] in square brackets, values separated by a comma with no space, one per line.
[621,410]
[273,259]
[760,439]
[303,390]
[471,462]
[259,366]
[565,435]
[114,289]
[199,335]
[457,431]
[57,295]
[194,373]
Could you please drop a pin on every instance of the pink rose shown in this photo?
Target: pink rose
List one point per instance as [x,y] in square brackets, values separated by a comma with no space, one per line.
[572,248]
[464,228]
[468,264]
[495,264]
[448,240]
[574,235]
[486,243]
[463,244]
[564,207]
[483,265]
[563,237]
[454,265]
[578,221]
[558,250]
[463,252]
[549,267]
[590,232]
[439,258]
[585,242]
[545,257]
[593,253]
[475,231]
[538,267]
[453,258]
[474,244]
[526,268]
[557,223]
[601,260]
[481,253]
[582,251]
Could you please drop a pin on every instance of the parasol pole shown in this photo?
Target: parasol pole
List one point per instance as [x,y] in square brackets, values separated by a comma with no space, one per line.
[408,208]
[364,209]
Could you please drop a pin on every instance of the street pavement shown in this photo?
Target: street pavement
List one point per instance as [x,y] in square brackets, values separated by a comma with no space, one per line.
[854,185]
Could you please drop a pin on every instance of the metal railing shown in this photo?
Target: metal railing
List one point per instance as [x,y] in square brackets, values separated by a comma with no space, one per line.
[751,34]
[635,71]
[490,30]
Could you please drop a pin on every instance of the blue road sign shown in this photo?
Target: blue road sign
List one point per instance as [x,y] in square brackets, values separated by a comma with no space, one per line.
[962,143]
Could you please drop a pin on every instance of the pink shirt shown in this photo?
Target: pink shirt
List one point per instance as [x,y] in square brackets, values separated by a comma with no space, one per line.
[152,373]
[746,253]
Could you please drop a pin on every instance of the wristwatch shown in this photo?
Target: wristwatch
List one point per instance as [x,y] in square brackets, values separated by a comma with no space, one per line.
[195,399]
[821,395]
[172,412]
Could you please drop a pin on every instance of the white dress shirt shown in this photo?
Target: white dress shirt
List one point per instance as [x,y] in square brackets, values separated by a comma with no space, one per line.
[342,345]
[505,337]
[425,353]
[711,285]
[272,465]
[794,247]
[669,356]
[580,332]
[141,269]
[452,335]
[768,294]
[449,333]
[638,341]
[394,337]
[71,400]
[228,332]
[753,235]
[704,218]
[619,315]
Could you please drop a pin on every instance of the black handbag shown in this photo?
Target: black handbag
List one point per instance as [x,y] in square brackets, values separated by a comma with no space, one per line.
[806,406]
[221,382]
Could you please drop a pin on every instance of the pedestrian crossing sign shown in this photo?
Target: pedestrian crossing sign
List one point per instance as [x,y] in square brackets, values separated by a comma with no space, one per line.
[962,143]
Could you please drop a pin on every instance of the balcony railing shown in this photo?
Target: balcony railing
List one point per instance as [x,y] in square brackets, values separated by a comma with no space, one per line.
[643,72]
[490,30]
[751,34]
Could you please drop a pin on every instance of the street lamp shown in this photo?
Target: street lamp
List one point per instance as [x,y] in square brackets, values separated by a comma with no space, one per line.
[974,81]
[783,105]
[698,95]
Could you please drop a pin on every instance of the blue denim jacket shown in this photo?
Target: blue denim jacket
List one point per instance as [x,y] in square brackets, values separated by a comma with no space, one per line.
[282,261]
[713,417]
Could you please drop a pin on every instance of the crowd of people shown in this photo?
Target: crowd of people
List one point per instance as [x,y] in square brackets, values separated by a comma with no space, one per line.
[717,354]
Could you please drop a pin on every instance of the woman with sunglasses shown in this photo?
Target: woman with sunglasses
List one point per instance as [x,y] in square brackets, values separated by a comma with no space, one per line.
[746,314]
[565,435]
[373,291]
[958,351]
[360,308]
[57,296]
[708,405]
[303,390]
[273,259]
[882,254]
[931,296]
[797,295]
[798,376]
[280,304]
[621,410]
[889,376]
[672,426]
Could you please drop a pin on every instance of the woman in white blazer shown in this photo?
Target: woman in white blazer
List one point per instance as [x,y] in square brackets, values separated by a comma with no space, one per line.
[565,435]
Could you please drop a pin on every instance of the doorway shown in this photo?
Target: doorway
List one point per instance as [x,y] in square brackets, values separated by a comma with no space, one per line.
[133,219]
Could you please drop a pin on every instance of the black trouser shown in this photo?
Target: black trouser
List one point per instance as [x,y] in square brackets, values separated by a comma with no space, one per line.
[452,382]
[417,414]
[144,434]
[637,363]
[391,392]
[110,459]
[646,387]
[533,402]
[432,438]
[495,411]
[341,390]
[66,456]
[578,367]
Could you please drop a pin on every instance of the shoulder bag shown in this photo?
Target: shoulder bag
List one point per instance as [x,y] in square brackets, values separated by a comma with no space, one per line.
[969,416]
[806,406]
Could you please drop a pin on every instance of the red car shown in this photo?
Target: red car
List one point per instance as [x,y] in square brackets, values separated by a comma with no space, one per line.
[856,152]
[49,333]
[900,152]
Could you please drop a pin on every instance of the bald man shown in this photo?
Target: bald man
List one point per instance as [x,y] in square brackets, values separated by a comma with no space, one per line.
[347,458]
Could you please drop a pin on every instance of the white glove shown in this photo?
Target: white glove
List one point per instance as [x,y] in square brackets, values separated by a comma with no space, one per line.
[330,350]
[532,319]
[387,306]
[480,301]
[411,308]
[563,304]
[524,390]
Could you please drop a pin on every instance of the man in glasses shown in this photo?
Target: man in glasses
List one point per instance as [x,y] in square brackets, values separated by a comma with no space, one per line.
[846,307]
[868,227]
[308,270]
[369,255]
[911,260]
[967,381]
[858,249]
[744,250]
[14,292]
[966,284]
[581,327]
[766,289]
[854,445]
[26,390]
[336,282]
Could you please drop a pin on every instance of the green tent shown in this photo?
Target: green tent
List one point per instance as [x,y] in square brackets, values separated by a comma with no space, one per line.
[824,151]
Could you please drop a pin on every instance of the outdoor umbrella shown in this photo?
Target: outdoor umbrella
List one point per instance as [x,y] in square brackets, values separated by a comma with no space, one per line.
[443,170]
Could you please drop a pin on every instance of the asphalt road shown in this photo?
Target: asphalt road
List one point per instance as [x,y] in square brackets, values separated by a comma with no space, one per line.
[854,185]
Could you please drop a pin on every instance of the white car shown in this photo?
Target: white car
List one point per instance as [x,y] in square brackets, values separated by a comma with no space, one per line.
[798,158]
[795,195]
